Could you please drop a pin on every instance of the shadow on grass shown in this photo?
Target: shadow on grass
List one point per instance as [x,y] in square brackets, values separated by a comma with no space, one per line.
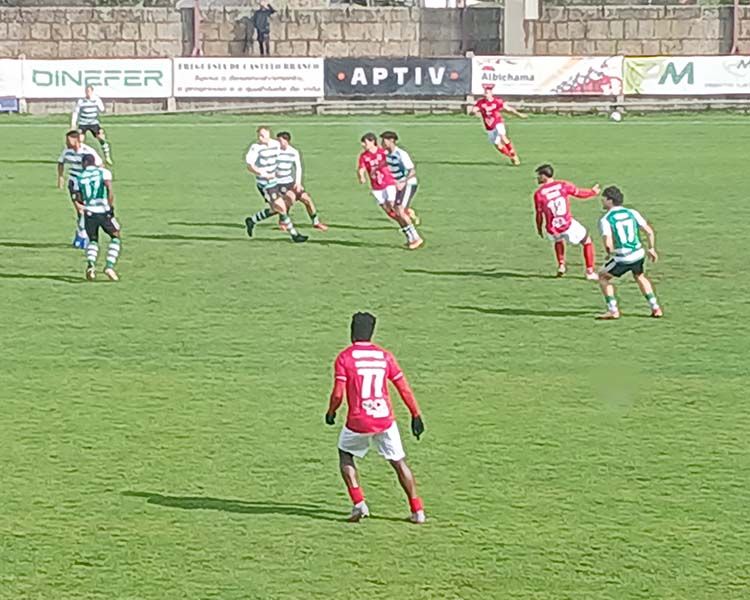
[526,312]
[33,245]
[362,227]
[60,278]
[490,274]
[213,224]
[463,163]
[310,511]
[27,161]
[282,239]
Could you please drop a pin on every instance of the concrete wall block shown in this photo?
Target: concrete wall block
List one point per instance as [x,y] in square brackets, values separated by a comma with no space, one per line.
[576,30]
[744,33]
[682,12]
[79,15]
[17,31]
[338,49]
[553,14]
[167,48]
[209,31]
[605,47]
[130,31]
[10,15]
[237,48]
[670,46]
[315,48]
[584,13]
[394,48]
[633,12]
[40,31]
[227,31]
[60,31]
[597,30]
[541,48]
[650,47]
[634,47]
[147,31]
[331,31]
[157,15]
[122,49]
[631,29]
[283,48]
[583,47]
[302,31]
[3,31]
[363,31]
[143,49]
[560,48]
[663,29]
[299,48]
[42,50]
[10,49]
[617,29]
[681,29]
[547,31]
[711,29]
[647,30]
[363,15]
[169,31]
[216,48]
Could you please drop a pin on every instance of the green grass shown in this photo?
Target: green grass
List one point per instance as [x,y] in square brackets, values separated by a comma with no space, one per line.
[163,438]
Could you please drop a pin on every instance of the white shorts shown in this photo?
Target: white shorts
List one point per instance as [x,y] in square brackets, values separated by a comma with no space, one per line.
[386,195]
[575,234]
[388,443]
[495,134]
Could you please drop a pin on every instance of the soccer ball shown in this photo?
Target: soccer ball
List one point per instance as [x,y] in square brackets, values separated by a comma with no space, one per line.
[615,116]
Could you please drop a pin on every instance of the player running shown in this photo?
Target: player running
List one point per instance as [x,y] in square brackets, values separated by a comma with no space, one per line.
[491,110]
[72,155]
[373,162]
[620,231]
[552,205]
[86,118]
[262,160]
[361,370]
[289,179]
[96,202]
[404,172]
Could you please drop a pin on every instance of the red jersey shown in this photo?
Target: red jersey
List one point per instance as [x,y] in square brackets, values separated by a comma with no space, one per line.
[492,112]
[376,164]
[552,200]
[365,369]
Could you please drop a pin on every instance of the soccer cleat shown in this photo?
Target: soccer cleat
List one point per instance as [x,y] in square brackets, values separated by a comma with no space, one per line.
[359,511]
[299,238]
[418,517]
[249,225]
[90,273]
[608,316]
[414,217]
[561,270]
[111,274]
[321,226]
[109,161]
[415,244]
[657,313]
[515,161]
[592,276]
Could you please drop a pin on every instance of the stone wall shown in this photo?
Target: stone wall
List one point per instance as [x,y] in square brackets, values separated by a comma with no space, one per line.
[639,30]
[76,32]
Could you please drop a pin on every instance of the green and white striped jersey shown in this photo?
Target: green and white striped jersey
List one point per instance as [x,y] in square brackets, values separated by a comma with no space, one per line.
[73,159]
[264,157]
[94,194]
[289,167]
[87,111]
[623,225]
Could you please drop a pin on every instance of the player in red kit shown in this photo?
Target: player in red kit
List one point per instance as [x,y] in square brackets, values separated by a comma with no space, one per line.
[552,205]
[362,371]
[373,162]
[491,110]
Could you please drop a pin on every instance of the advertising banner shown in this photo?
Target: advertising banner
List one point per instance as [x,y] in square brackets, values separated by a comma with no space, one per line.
[112,78]
[397,76]
[687,75]
[10,78]
[248,77]
[548,75]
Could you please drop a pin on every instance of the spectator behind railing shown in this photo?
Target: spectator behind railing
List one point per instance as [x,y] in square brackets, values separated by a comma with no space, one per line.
[261,21]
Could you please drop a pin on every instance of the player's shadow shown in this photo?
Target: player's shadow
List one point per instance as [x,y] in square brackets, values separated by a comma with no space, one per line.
[489,274]
[525,312]
[27,161]
[245,507]
[212,224]
[174,237]
[59,278]
[35,245]
[462,163]
[361,227]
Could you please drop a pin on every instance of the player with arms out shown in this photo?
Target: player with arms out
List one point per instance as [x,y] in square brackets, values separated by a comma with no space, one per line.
[262,160]
[96,202]
[620,228]
[362,371]
[373,162]
[289,179]
[86,119]
[552,206]
[404,172]
[491,108]
[72,155]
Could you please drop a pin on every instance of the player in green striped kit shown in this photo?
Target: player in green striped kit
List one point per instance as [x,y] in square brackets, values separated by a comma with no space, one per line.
[96,200]
[86,118]
[620,228]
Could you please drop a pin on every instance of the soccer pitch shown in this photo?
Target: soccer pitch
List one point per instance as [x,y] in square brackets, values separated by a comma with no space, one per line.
[163,436]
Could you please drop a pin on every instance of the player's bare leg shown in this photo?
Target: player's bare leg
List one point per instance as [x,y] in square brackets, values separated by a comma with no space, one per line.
[105,146]
[408,483]
[351,479]
[279,206]
[608,290]
[289,201]
[413,239]
[390,210]
[307,200]
[648,292]
[509,150]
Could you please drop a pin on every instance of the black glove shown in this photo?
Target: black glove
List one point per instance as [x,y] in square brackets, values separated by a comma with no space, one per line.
[417,426]
[330,419]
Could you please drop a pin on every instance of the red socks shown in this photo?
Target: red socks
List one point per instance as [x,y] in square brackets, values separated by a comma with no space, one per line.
[511,151]
[356,494]
[560,252]
[588,256]
[416,504]
[503,150]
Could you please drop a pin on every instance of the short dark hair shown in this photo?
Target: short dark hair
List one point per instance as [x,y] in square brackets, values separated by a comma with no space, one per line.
[88,160]
[389,135]
[284,135]
[614,194]
[363,326]
[546,170]
[73,133]
[370,137]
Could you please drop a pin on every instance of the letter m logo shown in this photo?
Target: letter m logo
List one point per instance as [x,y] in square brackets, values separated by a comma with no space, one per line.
[670,72]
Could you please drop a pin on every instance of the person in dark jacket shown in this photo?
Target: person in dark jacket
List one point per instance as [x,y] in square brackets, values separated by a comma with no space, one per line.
[261,21]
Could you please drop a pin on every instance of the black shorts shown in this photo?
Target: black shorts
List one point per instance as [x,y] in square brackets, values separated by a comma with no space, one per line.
[270,194]
[93,129]
[93,222]
[286,188]
[406,195]
[74,195]
[618,269]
